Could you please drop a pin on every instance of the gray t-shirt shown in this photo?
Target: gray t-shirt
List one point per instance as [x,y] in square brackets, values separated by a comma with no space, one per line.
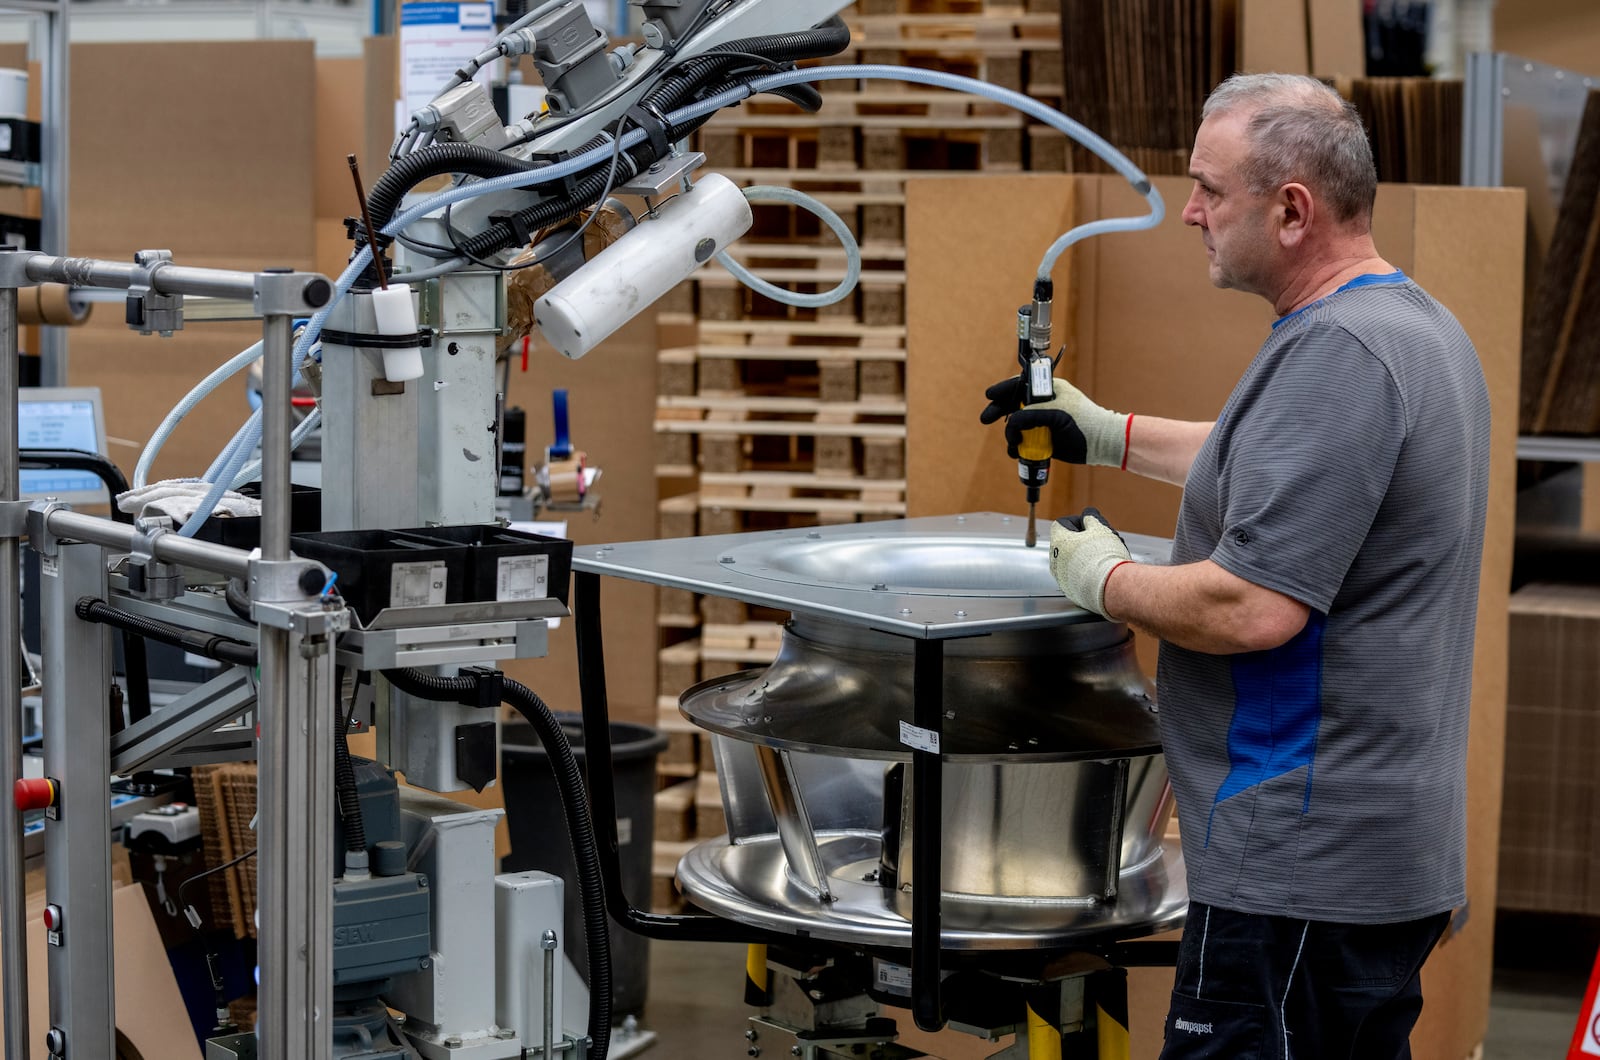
[1326,778]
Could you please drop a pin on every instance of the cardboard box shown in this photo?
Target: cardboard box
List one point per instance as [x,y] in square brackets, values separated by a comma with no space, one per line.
[1148,332]
[150,1010]
[1550,820]
[1564,33]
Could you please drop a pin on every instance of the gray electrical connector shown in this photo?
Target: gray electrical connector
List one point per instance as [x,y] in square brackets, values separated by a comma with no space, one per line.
[572,61]
[465,114]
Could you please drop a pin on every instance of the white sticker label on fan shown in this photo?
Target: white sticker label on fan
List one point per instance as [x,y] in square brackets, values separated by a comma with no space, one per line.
[895,977]
[417,584]
[919,739]
[522,578]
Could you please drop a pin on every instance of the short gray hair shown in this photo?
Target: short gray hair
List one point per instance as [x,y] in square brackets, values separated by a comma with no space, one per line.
[1301,130]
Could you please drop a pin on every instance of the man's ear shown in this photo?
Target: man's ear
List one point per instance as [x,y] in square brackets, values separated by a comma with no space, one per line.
[1296,211]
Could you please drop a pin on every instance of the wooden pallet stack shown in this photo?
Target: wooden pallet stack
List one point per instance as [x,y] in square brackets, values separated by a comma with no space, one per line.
[770,416]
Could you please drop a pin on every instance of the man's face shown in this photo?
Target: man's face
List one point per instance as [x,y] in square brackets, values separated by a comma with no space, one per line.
[1240,247]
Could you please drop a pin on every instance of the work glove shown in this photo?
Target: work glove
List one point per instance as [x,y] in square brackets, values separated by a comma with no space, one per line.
[1081,432]
[1084,550]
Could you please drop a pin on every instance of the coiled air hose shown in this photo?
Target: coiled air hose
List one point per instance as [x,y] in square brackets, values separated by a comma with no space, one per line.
[580,827]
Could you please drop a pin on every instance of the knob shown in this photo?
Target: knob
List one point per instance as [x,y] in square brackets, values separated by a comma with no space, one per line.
[38,793]
[55,1042]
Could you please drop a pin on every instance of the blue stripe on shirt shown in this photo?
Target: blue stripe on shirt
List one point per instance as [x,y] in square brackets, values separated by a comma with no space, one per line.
[1276,714]
[1368,279]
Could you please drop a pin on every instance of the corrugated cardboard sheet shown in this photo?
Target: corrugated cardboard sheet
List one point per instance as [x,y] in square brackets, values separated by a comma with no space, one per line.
[1550,822]
[188,148]
[1148,333]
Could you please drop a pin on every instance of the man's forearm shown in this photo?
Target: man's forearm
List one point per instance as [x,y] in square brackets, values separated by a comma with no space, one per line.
[1164,449]
[1202,607]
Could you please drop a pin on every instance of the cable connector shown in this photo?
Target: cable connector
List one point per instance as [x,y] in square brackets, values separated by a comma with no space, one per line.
[522,42]
[488,687]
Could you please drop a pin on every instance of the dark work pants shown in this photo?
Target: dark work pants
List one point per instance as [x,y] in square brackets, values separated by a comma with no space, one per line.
[1272,988]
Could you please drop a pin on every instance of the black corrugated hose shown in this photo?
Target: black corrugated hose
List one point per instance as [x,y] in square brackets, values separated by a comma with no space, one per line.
[344,774]
[580,827]
[210,645]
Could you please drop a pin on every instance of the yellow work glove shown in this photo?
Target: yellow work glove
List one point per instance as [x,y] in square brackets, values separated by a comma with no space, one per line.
[1084,550]
[1081,432]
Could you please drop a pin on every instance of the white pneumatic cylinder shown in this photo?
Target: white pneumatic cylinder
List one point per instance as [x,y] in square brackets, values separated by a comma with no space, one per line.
[396,315]
[622,281]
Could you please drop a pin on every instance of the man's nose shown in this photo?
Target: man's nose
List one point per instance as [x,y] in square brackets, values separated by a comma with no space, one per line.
[1192,213]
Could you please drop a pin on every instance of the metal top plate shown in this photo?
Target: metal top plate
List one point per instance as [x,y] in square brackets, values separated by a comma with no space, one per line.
[932,578]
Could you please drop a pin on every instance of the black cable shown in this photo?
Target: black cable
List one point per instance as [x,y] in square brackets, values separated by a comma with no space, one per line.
[599,203]
[212,646]
[191,916]
[344,773]
[182,903]
[580,827]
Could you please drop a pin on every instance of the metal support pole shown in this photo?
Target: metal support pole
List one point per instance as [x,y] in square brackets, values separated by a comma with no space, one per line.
[77,841]
[53,215]
[13,910]
[277,384]
[927,811]
[295,836]
[296,772]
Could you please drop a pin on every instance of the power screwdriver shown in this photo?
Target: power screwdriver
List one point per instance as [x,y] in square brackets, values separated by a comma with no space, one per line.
[1033,353]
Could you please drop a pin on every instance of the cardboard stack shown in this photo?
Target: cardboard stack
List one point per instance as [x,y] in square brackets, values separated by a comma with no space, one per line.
[1561,343]
[1549,843]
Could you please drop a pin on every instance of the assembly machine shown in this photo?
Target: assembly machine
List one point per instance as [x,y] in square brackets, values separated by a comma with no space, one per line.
[940,713]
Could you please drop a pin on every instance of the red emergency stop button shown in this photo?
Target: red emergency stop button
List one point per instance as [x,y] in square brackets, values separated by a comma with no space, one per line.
[52,918]
[38,793]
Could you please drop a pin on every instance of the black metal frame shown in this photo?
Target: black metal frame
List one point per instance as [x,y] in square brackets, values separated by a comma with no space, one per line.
[927,807]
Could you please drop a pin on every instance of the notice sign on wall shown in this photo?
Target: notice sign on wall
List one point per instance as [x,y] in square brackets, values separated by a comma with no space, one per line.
[436,40]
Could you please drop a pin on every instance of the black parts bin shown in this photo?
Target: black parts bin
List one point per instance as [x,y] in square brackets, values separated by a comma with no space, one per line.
[305,517]
[539,837]
[509,565]
[388,568]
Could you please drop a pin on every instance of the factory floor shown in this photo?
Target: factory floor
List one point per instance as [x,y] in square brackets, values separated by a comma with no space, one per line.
[1542,966]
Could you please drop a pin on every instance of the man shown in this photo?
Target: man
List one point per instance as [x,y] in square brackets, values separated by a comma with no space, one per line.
[1317,615]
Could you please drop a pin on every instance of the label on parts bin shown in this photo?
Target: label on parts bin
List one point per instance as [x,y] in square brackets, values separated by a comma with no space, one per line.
[417,584]
[522,578]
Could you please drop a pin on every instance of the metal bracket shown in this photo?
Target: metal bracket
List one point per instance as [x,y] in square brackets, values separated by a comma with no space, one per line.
[39,536]
[284,292]
[285,580]
[14,267]
[148,577]
[150,311]
[665,174]
[308,618]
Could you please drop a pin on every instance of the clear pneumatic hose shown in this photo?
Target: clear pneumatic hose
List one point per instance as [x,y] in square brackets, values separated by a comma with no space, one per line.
[234,457]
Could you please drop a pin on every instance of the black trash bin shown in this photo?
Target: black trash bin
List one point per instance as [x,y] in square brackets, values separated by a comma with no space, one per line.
[539,837]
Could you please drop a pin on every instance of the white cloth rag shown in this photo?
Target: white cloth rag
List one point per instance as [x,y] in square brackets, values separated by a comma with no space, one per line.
[180,497]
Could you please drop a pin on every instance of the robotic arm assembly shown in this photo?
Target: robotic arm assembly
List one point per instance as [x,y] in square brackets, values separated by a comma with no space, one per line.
[376,898]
